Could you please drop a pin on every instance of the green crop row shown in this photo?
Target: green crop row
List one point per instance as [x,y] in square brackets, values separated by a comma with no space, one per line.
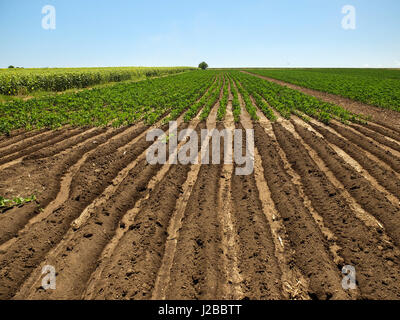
[23,81]
[200,96]
[264,107]
[167,97]
[195,108]
[288,101]
[236,109]
[224,101]
[18,201]
[212,101]
[379,87]
[246,98]
[119,104]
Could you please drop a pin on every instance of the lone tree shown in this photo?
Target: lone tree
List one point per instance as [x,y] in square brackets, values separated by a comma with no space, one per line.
[10,67]
[203,65]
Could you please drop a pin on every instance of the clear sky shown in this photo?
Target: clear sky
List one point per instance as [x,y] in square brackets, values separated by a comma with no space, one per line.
[224,33]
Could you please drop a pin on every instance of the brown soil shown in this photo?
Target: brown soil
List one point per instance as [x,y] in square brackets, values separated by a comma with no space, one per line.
[351,233]
[259,266]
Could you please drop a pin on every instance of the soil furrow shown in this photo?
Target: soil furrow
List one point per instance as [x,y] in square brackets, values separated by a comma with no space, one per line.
[128,218]
[7,141]
[55,176]
[197,271]
[232,287]
[132,269]
[374,141]
[67,144]
[373,148]
[76,257]
[36,142]
[13,134]
[361,214]
[294,285]
[14,158]
[388,133]
[357,242]
[369,164]
[376,136]
[91,290]
[309,244]
[259,268]
[361,190]
[131,183]
[285,156]
[262,232]
[164,273]
[89,182]
[310,216]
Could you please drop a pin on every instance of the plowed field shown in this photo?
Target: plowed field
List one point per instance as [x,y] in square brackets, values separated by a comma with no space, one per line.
[322,195]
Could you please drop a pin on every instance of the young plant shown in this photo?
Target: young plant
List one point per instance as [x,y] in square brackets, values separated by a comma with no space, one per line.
[17,201]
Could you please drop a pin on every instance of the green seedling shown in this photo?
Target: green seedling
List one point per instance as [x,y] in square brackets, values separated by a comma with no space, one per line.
[167,138]
[15,202]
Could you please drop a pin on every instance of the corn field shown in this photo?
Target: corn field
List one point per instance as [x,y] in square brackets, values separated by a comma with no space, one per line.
[23,81]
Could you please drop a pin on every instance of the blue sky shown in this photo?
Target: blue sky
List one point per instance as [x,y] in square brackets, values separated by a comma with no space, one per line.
[254,33]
